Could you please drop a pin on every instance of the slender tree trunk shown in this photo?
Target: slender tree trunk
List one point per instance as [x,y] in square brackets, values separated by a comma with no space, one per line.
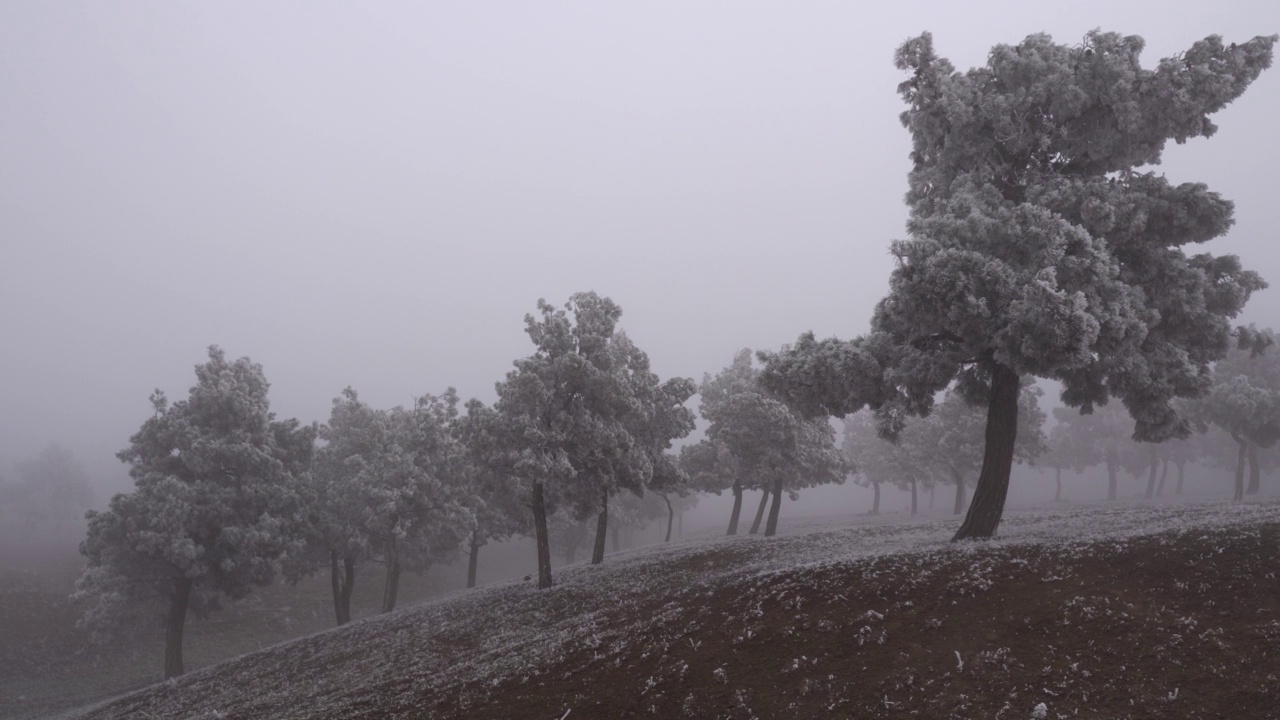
[543,541]
[737,508]
[680,523]
[913,496]
[771,528]
[391,590]
[602,528]
[1240,461]
[474,560]
[1255,471]
[670,516]
[348,585]
[1164,475]
[755,525]
[614,533]
[1182,466]
[1151,476]
[335,583]
[875,507]
[987,507]
[1112,462]
[178,604]
[932,488]
[959,481]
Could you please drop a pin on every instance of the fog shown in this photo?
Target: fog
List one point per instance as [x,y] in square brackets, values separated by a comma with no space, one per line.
[375,196]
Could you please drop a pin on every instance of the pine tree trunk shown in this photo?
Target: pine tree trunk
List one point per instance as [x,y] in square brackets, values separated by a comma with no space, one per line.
[1151,476]
[680,523]
[1182,466]
[737,509]
[1164,475]
[1255,472]
[348,585]
[474,561]
[178,604]
[913,496]
[1057,495]
[932,487]
[1241,458]
[959,481]
[335,583]
[755,525]
[614,533]
[1112,462]
[542,539]
[771,528]
[670,516]
[602,529]
[875,508]
[987,507]
[391,589]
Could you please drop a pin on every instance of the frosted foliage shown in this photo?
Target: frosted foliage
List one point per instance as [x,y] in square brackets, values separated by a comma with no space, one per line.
[218,498]
[1035,244]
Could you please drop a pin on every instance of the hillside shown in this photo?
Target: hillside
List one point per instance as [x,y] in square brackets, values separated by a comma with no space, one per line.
[1116,612]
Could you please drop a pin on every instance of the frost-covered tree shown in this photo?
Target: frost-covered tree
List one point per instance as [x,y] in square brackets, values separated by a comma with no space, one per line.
[712,469]
[1245,402]
[492,493]
[901,462]
[1039,247]
[216,504]
[1103,438]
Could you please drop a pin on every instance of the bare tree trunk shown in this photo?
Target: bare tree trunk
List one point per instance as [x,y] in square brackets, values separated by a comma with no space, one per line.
[614,532]
[602,528]
[1240,461]
[755,525]
[913,496]
[1164,475]
[771,528]
[670,515]
[348,585]
[737,508]
[932,488]
[959,481]
[391,589]
[1112,461]
[680,523]
[543,541]
[1182,466]
[1255,471]
[335,583]
[987,507]
[178,604]
[1057,495]
[474,560]
[1151,476]
[875,508]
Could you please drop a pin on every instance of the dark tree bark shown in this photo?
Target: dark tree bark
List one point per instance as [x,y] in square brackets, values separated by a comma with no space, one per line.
[959,481]
[1241,458]
[670,516]
[348,585]
[1113,460]
[771,528]
[391,589]
[1255,471]
[543,541]
[1182,466]
[1164,475]
[680,523]
[875,507]
[1151,476]
[335,584]
[178,604]
[474,560]
[602,529]
[737,509]
[755,525]
[987,507]
[1057,495]
[932,488]
[913,496]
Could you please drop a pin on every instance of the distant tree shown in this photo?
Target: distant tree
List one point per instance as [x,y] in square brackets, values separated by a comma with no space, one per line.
[875,460]
[669,480]
[216,504]
[493,496]
[1260,367]
[51,491]
[1250,414]
[712,469]
[1037,248]
[1102,437]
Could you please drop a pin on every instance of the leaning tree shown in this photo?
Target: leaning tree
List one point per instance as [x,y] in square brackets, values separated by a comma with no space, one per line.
[1039,247]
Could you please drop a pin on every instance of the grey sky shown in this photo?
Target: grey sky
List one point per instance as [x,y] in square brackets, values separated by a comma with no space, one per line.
[375,194]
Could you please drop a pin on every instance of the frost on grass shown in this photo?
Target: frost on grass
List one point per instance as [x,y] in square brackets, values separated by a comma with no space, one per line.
[452,656]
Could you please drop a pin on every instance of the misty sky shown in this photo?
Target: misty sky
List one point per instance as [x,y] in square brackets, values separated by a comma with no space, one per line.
[375,194]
